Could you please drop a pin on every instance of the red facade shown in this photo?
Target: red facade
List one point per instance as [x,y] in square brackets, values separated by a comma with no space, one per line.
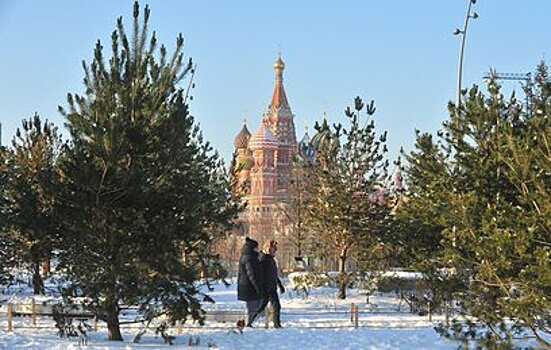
[263,165]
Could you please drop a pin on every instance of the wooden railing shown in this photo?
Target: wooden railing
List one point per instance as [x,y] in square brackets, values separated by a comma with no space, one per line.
[216,318]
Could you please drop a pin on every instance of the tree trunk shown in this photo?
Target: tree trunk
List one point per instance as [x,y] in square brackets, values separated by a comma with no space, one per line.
[38,283]
[342,275]
[112,319]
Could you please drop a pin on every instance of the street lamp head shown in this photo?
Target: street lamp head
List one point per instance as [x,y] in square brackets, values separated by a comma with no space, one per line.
[473,1]
[457,31]
[474,15]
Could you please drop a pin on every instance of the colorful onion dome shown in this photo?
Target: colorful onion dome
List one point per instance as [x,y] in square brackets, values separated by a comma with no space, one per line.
[322,135]
[263,139]
[305,140]
[242,139]
[305,148]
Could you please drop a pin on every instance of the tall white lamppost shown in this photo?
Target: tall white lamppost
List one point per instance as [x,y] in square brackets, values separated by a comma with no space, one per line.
[463,33]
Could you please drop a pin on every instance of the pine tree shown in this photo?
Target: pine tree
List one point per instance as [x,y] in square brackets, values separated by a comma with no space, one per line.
[493,219]
[294,210]
[31,181]
[420,222]
[7,258]
[349,167]
[144,195]
[427,173]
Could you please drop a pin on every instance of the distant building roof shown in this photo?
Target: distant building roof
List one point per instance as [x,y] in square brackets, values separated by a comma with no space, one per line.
[242,139]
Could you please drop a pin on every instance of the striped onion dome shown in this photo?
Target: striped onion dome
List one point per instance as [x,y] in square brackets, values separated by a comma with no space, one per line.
[242,139]
[263,139]
[322,136]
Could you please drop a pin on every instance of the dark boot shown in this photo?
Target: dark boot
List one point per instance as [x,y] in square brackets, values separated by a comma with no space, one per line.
[250,320]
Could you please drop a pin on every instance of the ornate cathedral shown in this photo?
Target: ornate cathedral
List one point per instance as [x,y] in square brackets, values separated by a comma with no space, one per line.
[262,169]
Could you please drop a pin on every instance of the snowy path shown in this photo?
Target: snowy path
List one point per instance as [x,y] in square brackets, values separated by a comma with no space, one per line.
[289,338]
[319,322]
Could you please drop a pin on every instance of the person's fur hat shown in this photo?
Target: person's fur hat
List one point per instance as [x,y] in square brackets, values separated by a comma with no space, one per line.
[251,242]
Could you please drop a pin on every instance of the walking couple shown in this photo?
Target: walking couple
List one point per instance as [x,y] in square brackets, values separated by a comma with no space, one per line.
[258,280]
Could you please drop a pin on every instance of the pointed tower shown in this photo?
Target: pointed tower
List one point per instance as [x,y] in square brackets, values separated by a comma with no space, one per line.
[280,120]
[263,169]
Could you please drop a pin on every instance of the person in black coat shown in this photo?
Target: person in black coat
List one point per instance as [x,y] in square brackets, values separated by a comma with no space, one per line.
[272,282]
[250,281]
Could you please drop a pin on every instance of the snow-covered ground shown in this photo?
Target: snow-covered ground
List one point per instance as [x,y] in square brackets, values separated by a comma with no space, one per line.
[288,338]
[319,322]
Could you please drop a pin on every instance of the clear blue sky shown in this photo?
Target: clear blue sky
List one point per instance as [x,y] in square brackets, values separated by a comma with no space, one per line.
[401,53]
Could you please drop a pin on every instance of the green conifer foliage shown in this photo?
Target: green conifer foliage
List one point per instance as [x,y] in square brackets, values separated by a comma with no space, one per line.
[295,209]
[347,171]
[30,181]
[420,218]
[492,218]
[144,195]
[427,175]
[7,257]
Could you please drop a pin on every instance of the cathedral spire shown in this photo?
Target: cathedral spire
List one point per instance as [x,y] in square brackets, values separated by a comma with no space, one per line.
[279,99]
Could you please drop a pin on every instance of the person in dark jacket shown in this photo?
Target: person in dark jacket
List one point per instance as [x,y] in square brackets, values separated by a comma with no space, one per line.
[250,281]
[272,282]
